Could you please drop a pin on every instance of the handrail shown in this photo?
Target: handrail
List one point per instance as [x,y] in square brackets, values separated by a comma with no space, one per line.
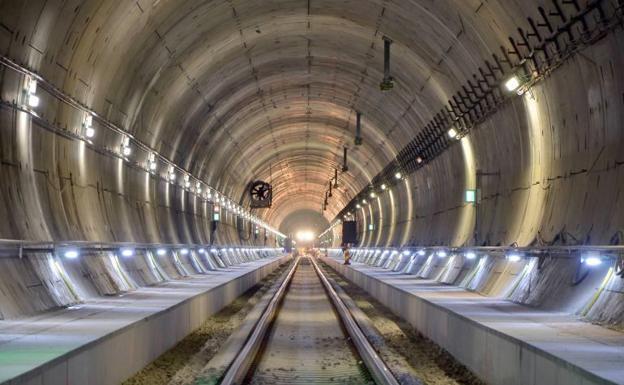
[560,250]
[50,246]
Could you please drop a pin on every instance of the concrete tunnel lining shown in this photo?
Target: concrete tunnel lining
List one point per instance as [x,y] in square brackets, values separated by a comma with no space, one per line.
[232,91]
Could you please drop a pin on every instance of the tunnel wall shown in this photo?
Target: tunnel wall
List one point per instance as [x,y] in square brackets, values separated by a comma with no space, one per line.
[63,189]
[555,158]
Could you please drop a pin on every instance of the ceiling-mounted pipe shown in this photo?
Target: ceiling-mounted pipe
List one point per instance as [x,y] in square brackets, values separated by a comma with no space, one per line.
[345,167]
[388,81]
[330,189]
[335,178]
[358,128]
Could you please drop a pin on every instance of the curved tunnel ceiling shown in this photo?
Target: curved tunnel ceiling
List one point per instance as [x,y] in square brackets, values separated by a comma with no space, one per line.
[241,90]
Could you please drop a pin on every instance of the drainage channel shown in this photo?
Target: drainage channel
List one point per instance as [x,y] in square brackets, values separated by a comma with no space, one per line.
[306,335]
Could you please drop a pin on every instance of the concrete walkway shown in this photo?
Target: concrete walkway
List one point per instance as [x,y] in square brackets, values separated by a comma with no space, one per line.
[502,342]
[107,340]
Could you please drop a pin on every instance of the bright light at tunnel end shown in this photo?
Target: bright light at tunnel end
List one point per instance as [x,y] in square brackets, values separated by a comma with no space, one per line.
[305,236]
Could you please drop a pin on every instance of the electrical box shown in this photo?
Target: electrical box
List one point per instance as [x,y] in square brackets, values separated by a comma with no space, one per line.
[349,232]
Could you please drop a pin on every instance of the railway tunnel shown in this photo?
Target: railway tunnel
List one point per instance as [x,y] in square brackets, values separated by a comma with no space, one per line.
[165,161]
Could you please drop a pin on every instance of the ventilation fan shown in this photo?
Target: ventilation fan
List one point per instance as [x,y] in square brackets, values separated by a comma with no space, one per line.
[261,194]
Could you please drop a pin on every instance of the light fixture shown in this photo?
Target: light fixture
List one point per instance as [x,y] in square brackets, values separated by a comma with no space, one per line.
[126,150]
[358,206]
[201,251]
[151,161]
[514,257]
[161,252]
[383,186]
[31,90]
[171,174]
[419,160]
[373,195]
[71,254]
[470,196]
[441,254]
[31,86]
[213,250]
[33,101]
[591,259]
[421,252]
[87,125]
[512,84]
[184,251]
[452,133]
[127,252]
[187,180]
[470,255]
[198,188]
[398,175]
[406,252]
[364,201]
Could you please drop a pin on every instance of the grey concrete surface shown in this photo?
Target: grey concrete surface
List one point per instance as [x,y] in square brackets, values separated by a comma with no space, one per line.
[103,342]
[502,342]
[235,90]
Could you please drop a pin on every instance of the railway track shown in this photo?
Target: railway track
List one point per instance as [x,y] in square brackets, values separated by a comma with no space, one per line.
[306,335]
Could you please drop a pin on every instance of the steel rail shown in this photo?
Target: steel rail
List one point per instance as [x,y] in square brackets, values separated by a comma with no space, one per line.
[374,363]
[237,371]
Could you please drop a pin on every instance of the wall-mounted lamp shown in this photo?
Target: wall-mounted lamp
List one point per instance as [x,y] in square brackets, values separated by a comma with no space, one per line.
[591,259]
[512,84]
[30,89]
[87,126]
[71,254]
[126,150]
